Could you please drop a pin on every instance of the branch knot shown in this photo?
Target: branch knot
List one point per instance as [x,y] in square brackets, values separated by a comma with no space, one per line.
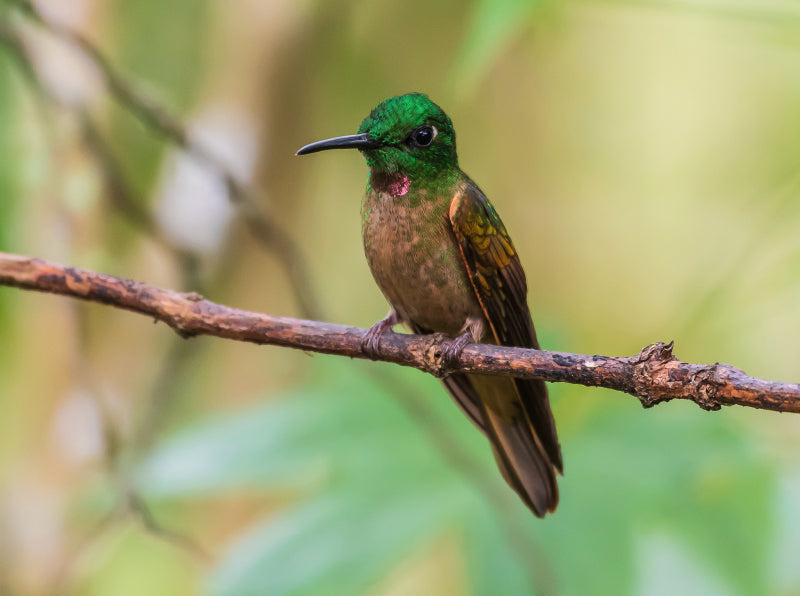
[707,384]
[433,356]
[659,352]
[650,373]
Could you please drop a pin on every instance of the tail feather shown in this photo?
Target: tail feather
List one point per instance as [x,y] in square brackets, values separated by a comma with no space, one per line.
[523,461]
[514,414]
[533,393]
[462,391]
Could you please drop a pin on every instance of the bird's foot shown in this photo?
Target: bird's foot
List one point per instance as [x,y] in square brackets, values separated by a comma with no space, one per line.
[452,348]
[371,342]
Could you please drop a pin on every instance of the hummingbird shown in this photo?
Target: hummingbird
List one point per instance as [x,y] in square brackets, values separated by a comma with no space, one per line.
[443,259]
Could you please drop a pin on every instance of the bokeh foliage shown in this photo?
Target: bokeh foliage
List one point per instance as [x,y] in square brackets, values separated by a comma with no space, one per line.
[644,157]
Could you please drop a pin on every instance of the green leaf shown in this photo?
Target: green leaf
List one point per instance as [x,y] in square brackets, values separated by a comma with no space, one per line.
[673,472]
[381,489]
[301,438]
[339,543]
[351,428]
[667,568]
[494,566]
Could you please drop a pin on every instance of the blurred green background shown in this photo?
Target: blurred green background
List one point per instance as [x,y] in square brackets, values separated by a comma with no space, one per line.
[644,156]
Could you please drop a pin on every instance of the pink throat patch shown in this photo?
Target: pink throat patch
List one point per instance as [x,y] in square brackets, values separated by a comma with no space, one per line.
[394,184]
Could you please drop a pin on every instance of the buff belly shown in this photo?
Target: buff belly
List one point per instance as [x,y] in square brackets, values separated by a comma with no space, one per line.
[415,262]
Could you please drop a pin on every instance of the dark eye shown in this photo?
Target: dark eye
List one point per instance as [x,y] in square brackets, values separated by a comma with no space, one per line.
[423,136]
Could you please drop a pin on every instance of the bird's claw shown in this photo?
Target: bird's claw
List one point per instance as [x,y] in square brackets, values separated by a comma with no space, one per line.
[452,348]
[371,343]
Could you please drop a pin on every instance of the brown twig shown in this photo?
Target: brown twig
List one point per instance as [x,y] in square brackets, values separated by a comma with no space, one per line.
[654,375]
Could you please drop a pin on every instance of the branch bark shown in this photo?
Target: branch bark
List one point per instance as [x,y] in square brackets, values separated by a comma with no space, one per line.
[654,375]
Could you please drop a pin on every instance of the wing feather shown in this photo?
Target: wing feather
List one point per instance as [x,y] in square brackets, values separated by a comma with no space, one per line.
[498,280]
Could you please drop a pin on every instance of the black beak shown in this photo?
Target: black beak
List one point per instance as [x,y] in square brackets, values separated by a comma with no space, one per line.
[362,141]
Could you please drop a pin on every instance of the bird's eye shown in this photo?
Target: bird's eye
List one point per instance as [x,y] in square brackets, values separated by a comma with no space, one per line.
[423,136]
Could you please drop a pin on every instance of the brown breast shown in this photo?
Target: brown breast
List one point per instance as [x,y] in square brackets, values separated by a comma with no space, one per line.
[414,259]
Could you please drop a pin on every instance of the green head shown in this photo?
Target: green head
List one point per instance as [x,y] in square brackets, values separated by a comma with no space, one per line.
[408,134]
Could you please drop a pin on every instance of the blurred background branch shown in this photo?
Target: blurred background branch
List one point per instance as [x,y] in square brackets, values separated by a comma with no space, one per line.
[121,198]
[157,118]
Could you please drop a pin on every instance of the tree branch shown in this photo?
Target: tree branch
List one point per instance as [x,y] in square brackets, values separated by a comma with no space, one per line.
[654,375]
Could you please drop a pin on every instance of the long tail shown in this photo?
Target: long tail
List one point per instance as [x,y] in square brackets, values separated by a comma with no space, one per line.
[517,421]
